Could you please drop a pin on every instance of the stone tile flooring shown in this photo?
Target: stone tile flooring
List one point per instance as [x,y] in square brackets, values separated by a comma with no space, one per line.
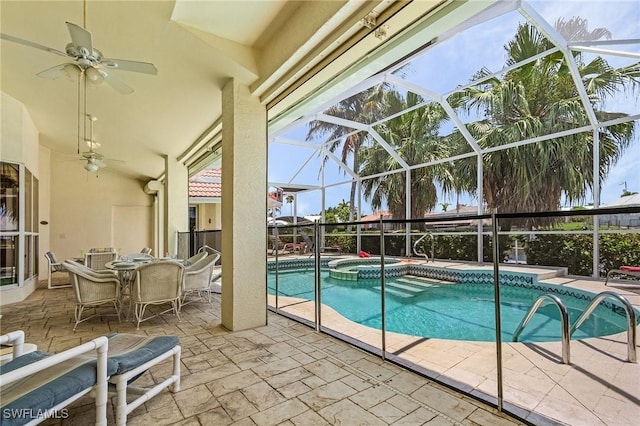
[281,374]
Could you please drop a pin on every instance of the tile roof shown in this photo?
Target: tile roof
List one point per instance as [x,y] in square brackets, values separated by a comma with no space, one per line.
[376,216]
[206,184]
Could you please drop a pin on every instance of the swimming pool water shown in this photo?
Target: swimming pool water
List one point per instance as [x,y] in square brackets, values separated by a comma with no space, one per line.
[447,311]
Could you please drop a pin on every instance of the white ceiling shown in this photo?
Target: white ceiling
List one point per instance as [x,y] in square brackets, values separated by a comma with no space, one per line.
[167,112]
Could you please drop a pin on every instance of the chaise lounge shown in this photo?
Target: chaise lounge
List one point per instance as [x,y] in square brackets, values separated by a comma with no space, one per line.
[633,271]
[38,385]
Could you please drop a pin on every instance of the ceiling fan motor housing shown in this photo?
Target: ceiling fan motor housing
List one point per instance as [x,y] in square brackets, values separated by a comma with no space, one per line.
[78,53]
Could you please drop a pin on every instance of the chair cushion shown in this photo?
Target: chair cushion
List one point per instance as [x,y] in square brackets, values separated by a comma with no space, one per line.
[45,389]
[131,350]
[630,268]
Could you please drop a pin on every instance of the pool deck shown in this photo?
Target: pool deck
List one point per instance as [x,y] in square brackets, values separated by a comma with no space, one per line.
[598,387]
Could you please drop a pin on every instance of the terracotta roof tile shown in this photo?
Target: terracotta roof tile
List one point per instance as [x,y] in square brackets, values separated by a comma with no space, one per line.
[206,184]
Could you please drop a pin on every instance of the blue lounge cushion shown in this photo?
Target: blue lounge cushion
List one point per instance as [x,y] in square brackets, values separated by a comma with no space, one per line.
[27,398]
[131,350]
[23,360]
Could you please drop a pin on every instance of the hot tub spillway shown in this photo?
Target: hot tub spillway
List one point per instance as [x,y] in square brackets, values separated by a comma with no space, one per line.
[365,268]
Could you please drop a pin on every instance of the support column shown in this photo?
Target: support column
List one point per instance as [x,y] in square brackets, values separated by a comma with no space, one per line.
[176,204]
[244,183]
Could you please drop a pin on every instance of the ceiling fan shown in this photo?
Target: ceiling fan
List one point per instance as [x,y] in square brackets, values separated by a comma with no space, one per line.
[88,60]
[94,160]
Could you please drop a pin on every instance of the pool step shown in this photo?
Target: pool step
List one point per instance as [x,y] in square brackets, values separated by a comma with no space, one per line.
[407,285]
[396,292]
[405,288]
[415,279]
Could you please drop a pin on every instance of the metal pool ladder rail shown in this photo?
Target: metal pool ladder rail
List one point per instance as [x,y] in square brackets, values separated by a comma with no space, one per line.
[543,300]
[631,320]
[415,246]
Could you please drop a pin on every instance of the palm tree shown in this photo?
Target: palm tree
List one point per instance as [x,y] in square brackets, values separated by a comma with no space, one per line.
[536,99]
[289,200]
[415,137]
[362,108]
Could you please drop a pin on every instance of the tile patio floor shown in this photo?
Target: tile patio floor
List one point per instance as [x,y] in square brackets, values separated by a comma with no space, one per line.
[280,374]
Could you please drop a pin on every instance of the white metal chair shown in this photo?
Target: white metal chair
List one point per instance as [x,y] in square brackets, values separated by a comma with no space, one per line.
[195,258]
[54,266]
[157,283]
[93,289]
[198,277]
[97,258]
[146,251]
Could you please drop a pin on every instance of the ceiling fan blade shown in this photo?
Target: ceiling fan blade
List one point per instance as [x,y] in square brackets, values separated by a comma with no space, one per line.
[118,85]
[31,44]
[99,163]
[135,66]
[113,161]
[81,38]
[92,155]
[53,72]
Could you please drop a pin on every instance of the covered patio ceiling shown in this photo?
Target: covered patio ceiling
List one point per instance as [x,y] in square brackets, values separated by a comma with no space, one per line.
[196,47]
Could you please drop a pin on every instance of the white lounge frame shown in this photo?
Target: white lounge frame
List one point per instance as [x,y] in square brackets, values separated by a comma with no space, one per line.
[100,345]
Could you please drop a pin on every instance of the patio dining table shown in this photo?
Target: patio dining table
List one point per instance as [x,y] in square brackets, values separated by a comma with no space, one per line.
[125,267]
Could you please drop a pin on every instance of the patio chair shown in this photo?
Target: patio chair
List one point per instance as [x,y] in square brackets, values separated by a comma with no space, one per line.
[277,244]
[146,251]
[47,383]
[134,354]
[198,277]
[311,245]
[54,266]
[92,289]
[195,258]
[632,271]
[37,384]
[157,283]
[97,258]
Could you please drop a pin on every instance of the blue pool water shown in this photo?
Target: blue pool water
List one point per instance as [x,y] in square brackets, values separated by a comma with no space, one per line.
[446,311]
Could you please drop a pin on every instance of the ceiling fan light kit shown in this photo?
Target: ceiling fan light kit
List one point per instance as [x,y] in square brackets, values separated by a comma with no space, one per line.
[93,75]
[71,71]
[91,167]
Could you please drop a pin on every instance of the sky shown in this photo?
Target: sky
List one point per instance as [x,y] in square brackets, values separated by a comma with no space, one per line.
[452,63]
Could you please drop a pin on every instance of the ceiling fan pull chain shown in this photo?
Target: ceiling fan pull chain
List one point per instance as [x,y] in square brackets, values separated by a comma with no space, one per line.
[84,15]
[78,117]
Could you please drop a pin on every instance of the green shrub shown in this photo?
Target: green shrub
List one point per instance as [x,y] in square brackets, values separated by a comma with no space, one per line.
[575,252]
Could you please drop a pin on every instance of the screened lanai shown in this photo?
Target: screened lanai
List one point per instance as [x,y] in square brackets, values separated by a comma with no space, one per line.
[525,107]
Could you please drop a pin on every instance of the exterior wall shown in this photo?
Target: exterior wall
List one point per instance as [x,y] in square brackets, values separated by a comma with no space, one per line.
[209,216]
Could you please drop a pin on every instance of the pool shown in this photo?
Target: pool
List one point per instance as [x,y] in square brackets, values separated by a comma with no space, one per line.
[455,311]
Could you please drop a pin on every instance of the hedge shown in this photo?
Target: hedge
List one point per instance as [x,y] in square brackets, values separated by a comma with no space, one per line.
[575,252]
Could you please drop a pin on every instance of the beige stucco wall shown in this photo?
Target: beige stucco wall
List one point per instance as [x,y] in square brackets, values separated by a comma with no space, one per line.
[209,216]
[104,209]
[44,205]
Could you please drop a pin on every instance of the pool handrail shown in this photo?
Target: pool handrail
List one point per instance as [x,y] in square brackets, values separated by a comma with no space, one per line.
[631,320]
[415,246]
[543,300]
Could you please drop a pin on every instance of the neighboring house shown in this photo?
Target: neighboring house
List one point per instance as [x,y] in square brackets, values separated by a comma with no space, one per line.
[625,220]
[205,200]
[374,218]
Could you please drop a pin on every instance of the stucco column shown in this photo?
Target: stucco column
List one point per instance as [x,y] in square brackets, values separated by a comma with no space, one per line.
[176,203]
[244,182]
